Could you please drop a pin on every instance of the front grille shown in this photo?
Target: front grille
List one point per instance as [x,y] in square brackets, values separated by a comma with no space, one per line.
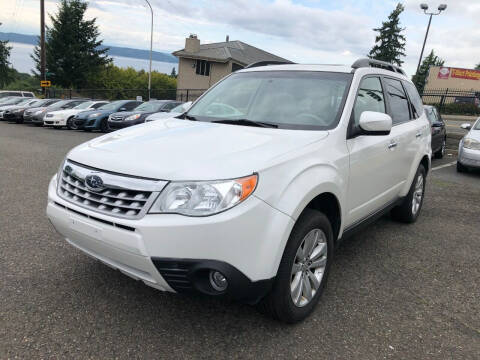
[49,115]
[119,195]
[175,274]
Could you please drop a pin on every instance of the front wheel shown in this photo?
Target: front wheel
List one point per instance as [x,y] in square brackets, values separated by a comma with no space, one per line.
[409,210]
[104,126]
[71,124]
[461,168]
[303,270]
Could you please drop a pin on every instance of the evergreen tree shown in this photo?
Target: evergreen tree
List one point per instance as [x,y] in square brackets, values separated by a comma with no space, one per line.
[73,53]
[390,43]
[5,71]
[477,67]
[420,77]
[173,73]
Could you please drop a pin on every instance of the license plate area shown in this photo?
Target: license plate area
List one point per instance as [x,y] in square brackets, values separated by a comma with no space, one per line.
[87,229]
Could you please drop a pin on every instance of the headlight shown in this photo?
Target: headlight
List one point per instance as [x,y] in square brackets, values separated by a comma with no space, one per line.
[133,117]
[38,112]
[202,198]
[472,144]
[94,115]
[18,110]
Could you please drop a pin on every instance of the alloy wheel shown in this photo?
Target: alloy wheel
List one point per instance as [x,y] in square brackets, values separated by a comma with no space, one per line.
[308,267]
[417,194]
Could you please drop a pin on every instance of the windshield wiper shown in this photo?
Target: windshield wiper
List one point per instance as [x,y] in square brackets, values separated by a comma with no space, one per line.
[246,122]
[189,117]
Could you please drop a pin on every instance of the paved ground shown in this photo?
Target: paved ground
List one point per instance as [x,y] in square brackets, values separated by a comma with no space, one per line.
[395,291]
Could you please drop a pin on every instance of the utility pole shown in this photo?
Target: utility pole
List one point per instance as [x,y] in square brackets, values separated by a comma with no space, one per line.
[42,42]
[151,45]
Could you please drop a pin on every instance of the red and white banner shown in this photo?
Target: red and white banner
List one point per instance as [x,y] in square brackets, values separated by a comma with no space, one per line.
[446,72]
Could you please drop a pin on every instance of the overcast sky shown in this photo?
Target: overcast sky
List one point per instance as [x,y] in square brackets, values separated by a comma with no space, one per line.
[305,31]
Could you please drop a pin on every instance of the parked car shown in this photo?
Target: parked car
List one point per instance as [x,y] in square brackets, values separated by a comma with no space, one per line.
[247,195]
[176,111]
[439,132]
[61,118]
[14,102]
[38,117]
[138,115]
[469,148]
[28,114]
[5,93]
[15,114]
[98,119]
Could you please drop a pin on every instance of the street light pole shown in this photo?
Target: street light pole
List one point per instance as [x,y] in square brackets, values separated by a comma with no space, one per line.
[424,7]
[151,45]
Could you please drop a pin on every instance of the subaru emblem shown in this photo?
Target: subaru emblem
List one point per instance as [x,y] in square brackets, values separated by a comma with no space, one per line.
[94,183]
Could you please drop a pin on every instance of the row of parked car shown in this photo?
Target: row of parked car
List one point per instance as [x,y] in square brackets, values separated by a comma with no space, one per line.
[86,114]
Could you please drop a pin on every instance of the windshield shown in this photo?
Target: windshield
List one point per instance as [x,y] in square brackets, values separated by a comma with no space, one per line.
[13,101]
[288,99]
[181,108]
[58,104]
[84,105]
[112,106]
[150,106]
[36,103]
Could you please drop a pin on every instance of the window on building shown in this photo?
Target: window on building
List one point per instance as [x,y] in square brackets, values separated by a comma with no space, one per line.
[202,67]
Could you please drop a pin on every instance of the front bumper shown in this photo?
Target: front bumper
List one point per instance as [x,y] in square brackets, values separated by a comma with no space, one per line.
[175,253]
[12,116]
[54,121]
[115,125]
[91,124]
[469,157]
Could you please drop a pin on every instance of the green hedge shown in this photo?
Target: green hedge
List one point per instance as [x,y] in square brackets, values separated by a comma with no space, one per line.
[460,109]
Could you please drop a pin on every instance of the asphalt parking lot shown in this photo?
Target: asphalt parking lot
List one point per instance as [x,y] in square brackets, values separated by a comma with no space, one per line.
[395,290]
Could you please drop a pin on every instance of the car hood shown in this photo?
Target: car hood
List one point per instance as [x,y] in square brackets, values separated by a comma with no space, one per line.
[162,115]
[174,149]
[7,107]
[65,112]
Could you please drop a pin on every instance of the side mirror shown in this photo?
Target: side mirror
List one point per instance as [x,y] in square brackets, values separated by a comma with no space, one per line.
[437,124]
[375,123]
[466,126]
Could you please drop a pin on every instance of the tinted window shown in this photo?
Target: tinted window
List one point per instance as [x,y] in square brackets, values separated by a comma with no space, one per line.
[414,98]
[26,94]
[131,105]
[97,105]
[399,104]
[369,98]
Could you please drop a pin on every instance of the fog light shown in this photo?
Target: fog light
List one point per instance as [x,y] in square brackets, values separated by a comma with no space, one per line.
[218,280]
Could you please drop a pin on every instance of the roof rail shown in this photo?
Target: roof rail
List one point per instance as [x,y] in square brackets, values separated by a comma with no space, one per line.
[267,62]
[366,62]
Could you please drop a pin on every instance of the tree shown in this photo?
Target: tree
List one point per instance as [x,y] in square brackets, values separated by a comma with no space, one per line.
[477,67]
[420,77]
[72,46]
[173,73]
[390,43]
[5,71]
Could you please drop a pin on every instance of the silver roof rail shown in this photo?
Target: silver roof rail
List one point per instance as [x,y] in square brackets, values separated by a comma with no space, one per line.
[267,62]
[366,62]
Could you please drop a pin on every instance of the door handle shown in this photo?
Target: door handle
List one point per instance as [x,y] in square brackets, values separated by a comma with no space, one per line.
[417,135]
[392,145]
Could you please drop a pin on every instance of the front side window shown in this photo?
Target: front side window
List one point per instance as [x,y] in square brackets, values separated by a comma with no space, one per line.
[369,98]
[399,104]
[202,67]
[287,99]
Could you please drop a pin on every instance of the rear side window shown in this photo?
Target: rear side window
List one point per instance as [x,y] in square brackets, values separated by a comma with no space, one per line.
[131,105]
[97,105]
[415,99]
[369,98]
[399,105]
[27,94]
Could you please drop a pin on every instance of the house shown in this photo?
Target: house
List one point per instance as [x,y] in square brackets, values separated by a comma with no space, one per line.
[201,66]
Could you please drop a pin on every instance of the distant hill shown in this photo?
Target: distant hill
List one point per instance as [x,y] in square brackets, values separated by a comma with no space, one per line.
[113,50]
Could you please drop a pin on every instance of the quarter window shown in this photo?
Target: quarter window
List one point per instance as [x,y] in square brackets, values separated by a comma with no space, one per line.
[398,101]
[369,98]
[202,67]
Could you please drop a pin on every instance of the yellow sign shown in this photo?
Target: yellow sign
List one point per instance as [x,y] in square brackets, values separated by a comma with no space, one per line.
[45,83]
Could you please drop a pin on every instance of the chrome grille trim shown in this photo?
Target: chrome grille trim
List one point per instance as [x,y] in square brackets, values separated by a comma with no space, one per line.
[120,196]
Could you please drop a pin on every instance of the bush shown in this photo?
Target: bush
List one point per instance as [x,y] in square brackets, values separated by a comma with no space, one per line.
[460,109]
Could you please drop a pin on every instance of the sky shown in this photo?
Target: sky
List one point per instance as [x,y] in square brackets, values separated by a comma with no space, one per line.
[304,31]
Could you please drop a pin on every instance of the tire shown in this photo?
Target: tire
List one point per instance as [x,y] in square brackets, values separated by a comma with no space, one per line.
[104,126]
[279,303]
[461,168]
[409,211]
[71,124]
[441,152]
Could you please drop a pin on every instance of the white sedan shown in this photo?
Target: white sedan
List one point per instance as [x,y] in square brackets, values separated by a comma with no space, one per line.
[61,118]
[180,109]
[469,148]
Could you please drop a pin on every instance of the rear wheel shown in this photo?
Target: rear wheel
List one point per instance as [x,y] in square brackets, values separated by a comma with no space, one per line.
[71,124]
[410,209]
[441,152]
[303,270]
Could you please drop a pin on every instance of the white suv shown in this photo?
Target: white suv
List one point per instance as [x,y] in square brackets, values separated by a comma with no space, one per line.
[247,194]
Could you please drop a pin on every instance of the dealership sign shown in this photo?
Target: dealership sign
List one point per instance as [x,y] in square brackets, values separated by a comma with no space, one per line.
[446,72]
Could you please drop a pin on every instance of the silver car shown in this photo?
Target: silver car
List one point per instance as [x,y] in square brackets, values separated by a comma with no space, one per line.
[469,148]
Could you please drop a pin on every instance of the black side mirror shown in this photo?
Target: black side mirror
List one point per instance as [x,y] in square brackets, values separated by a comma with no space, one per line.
[437,124]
